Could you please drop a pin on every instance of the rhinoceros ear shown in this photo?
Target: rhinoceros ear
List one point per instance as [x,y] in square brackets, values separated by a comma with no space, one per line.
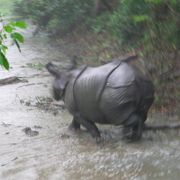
[73,63]
[53,69]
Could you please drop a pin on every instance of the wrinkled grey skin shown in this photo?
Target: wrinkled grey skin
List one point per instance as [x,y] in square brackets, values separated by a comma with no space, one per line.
[116,93]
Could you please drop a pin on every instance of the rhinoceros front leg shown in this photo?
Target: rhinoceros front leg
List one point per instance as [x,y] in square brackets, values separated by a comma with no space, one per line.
[90,126]
[75,126]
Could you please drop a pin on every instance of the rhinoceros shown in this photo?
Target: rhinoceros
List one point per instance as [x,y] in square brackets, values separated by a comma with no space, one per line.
[117,93]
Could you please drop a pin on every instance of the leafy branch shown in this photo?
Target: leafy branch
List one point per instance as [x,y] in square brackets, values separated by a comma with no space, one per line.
[8,29]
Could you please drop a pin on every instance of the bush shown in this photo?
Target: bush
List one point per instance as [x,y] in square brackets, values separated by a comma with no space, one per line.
[134,23]
[55,15]
[143,22]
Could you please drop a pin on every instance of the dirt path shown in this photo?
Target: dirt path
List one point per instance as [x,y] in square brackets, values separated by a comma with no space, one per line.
[35,143]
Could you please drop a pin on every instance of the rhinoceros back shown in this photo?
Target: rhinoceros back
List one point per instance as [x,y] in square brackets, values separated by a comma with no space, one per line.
[87,91]
[119,98]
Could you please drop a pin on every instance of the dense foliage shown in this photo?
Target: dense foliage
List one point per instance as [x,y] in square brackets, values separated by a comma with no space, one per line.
[132,22]
[55,15]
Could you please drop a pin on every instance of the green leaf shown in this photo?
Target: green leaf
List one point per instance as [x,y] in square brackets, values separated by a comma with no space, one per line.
[17,44]
[174,2]
[3,48]
[4,36]
[3,61]
[8,29]
[17,37]
[154,1]
[20,24]
[140,18]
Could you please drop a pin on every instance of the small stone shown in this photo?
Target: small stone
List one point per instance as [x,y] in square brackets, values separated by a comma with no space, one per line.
[37,127]
[27,103]
[29,132]
[65,136]
[22,101]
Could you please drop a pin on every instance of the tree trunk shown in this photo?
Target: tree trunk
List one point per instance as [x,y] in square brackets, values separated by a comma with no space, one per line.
[101,5]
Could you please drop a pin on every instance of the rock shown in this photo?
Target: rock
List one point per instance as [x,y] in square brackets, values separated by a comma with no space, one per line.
[29,132]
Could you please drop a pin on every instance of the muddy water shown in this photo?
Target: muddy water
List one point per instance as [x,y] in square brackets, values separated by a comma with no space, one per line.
[50,151]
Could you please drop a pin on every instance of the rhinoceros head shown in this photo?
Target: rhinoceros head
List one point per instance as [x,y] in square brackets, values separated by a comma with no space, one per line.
[60,82]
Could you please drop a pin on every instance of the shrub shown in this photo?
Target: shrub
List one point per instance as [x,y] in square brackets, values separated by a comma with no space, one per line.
[55,15]
[136,23]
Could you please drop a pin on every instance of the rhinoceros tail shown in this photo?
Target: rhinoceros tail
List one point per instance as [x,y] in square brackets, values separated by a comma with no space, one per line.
[53,69]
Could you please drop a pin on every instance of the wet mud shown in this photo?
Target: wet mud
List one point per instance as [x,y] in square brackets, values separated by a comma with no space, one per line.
[36,144]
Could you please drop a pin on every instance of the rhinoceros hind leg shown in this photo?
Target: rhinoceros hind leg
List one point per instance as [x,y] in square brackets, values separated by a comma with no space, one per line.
[137,131]
[74,125]
[133,128]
